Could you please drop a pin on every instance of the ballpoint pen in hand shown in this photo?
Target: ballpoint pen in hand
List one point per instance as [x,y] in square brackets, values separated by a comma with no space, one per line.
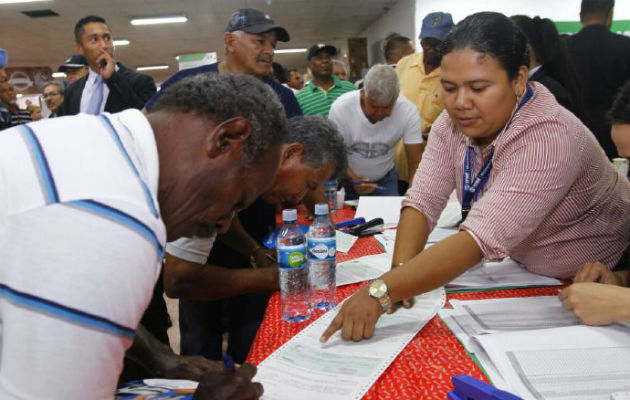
[228,362]
[366,182]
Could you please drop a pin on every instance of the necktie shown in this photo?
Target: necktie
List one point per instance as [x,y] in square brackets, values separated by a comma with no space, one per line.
[94,106]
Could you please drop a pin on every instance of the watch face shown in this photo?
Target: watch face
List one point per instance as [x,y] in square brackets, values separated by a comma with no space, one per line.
[377,288]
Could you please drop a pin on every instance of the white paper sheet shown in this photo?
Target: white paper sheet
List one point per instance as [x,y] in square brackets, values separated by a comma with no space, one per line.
[345,241]
[387,240]
[305,369]
[479,317]
[576,362]
[363,269]
[386,207]
[506,273]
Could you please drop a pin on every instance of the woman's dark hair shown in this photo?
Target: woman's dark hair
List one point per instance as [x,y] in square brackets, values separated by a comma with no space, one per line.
[552,53]
[620,111]
[490,33]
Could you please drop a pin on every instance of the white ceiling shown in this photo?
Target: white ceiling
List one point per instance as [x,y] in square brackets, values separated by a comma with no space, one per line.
[48,41]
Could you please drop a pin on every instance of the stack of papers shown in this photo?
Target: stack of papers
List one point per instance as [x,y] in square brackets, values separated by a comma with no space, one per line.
[496,275]
[304,369]
[536,349]
[386,207]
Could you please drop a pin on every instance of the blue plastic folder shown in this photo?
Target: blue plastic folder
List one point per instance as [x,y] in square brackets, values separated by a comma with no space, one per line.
[469,388]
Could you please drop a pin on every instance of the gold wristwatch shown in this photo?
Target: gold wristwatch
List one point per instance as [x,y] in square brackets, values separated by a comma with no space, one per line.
[377,289]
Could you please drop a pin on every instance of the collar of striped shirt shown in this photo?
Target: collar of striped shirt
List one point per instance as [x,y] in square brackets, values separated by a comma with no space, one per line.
[336,83]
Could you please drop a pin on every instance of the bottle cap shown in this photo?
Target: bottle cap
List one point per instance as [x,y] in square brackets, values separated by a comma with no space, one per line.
[321,209]
[289,214]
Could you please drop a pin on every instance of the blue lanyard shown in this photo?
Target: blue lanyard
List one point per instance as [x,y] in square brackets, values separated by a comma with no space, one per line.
[472,189]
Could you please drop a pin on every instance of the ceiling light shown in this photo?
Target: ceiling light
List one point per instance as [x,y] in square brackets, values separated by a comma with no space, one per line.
[18,1]
[166,19]
[282,51]
[152,67]
[58,75]
[121,42]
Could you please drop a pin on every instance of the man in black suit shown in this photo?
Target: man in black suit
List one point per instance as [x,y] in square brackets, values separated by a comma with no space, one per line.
[109,86]
[602,59]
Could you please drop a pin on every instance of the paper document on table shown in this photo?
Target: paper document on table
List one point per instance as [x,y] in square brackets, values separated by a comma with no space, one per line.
[575,362]
[345,241]
[479,317]
[386,207]
[363,269]
[387,239]
[305,369]
[506,273]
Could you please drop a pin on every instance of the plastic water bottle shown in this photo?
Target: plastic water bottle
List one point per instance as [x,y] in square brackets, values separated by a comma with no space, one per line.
[293,269]
[330,188]
[322,256]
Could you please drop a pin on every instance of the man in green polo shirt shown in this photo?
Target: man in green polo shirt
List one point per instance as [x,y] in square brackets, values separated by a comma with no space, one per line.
[323,90]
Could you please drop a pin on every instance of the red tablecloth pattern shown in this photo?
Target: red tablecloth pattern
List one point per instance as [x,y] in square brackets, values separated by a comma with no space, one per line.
[424,368]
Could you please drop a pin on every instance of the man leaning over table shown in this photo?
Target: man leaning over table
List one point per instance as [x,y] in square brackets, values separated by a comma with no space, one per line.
[372,120]
[88,205]
[312,154]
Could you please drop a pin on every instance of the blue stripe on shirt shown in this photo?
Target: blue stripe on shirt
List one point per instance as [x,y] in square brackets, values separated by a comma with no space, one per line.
[43,169]
[121,217]
[145,188]
[64,312]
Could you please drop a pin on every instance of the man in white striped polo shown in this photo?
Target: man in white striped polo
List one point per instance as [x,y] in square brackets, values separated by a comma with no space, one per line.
[86,207]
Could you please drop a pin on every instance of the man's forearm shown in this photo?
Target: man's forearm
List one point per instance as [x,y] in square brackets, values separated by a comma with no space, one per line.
[153,355]
[184,279]
[238,239]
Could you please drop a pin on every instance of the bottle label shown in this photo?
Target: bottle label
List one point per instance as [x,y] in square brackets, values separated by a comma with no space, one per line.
[291,256]
[322,248]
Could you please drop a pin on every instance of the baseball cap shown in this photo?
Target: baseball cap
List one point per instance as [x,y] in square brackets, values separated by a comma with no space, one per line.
[74,61]
[254,21]
[312,52]
[3,58]
[436,25]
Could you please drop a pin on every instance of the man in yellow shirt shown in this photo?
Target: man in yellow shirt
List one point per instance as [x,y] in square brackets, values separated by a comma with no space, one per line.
[419,76]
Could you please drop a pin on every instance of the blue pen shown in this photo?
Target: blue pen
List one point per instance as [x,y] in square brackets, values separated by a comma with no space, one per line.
[228,362]
[367,182]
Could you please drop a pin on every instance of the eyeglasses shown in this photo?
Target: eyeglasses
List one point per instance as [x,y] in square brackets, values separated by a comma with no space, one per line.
[50,94]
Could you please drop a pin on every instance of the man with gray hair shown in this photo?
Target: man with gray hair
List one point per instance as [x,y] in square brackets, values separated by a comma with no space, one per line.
[371,121]
[313,153]
[90,202]
[53,97]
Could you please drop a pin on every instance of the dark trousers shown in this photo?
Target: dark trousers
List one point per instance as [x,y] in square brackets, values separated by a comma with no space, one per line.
[201,324]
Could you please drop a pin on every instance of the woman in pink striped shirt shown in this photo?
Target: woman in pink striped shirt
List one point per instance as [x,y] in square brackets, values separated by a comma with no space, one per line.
[533,182]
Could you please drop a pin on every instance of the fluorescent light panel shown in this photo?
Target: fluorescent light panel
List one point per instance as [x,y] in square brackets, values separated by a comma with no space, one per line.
[121,42]
[283,51]
[19,1]
[152,67]
[166,19]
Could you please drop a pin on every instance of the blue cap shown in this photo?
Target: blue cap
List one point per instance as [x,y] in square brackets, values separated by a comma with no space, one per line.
[436,25]
[4,58]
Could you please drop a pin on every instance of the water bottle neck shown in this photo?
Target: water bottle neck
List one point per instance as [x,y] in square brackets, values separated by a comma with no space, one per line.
[289,223]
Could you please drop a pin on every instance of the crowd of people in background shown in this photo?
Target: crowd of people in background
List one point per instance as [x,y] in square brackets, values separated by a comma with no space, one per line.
[519,121]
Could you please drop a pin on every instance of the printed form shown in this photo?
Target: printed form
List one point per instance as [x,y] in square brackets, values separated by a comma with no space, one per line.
[576,362]
[303,368]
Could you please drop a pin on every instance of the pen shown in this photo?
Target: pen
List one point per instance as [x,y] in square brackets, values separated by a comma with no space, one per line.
[367,182]
[228,362]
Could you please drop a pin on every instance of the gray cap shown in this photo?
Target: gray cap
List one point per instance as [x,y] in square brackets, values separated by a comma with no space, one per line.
[254,21]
